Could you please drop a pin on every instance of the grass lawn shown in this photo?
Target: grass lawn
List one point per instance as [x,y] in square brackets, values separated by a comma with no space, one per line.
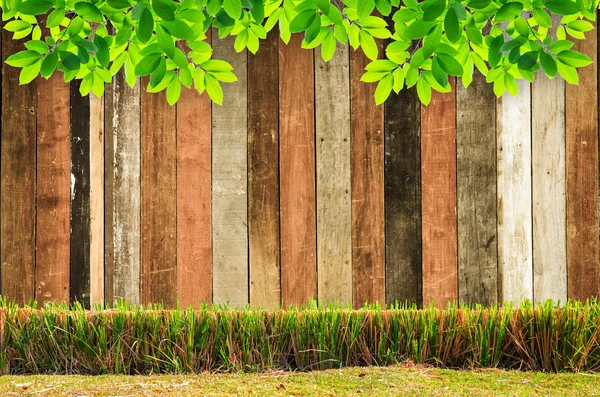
[373,381]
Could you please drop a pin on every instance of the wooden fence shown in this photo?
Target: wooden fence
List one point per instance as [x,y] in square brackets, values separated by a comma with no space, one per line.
[299,187]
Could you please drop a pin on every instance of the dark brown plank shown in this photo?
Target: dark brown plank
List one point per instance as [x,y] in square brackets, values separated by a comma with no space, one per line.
[476,189]
[80,196]
[159,199]
[18,165]
[403,272]
[438,176]
[263,173]
[297,173]
[368,224]
[53,190]
[583,247]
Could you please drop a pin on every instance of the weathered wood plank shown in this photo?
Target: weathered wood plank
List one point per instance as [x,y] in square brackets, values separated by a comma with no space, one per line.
[18,164]
[122,191]
[230,177]
[96,199]
[53,191]
[515,267]
[159,199]
[476,189]
[403,271]
[80,196]
[583,246]
[438,175]
[549,189]
[297,173]
[194,202]
[263,174]
[368,224]
[334,202]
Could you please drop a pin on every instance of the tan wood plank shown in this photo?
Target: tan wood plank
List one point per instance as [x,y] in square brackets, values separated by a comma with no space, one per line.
[96,199]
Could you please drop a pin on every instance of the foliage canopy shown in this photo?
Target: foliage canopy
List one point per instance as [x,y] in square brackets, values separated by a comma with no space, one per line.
[428,41]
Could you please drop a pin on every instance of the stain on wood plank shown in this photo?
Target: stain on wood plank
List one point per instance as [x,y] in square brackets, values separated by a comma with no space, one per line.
[368,223]
[438,173]
[297,173]
[583,246]
[476,188]
[80,196]
[549,189]
[96,199]
[17,237]
[194,202]
[53,191]
[515,251]
[403,270]
[122,191]
[159,199]
[263,174]
[230,180]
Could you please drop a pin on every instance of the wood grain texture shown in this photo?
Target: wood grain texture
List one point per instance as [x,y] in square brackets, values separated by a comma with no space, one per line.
[80,196]
[403,271]
[334,201]
[122,191]
[96,199]
[515,267]
[438,176]
[476,189]
[194,224]
[159,199]
[53,191]
[583,246]
[368,228]
[230,180]
[17,217]
[263,174]
[297,173]
[549,190]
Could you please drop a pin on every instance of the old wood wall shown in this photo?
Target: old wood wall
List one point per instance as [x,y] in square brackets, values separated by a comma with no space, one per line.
[299,187]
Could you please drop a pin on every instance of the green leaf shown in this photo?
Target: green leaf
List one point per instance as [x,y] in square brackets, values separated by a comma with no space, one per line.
[173,91]
[23,58]
[217,65]
[34,7]
[509,11]
[302,21]
[49,64]
[89,12]
[165,41]
[548,64]
[163,9]
[148,64]
[452,26]
[103,54]
[368,45]
[233,8]
[432,9]
[179,29]
[146,26]
[86,84]
[424,91]
[384,89]
[528,60]
[574,58]
[364,8]
[29,73]
[119,4]
[418,29]
[568,73]
[37,45]
[69,60]
[158,74]
[449,64]
[562,7]
[213,88]
[17,25]
[542,18]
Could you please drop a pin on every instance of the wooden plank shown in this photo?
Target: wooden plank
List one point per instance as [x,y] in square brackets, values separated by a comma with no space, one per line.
[96,199]
[53,191]
[80,196]
[263,174]
[583,246]
[549,189]
[18,164]
[159,199]
[368,223]
[230,180]
[438,173]
[194,203]
[122,191]
[515,267]
[334,205]
[403,270]
[476,189]
[297,173]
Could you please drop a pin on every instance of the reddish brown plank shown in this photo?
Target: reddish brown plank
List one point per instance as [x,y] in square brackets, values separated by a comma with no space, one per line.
[18,165]
[368,220]
[583,247]
[159,199]
[297,173]
[438,173]
[263,174]
[194,221]
[53,190]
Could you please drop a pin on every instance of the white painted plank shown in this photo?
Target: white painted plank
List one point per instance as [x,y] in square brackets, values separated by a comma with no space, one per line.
[515,249]
[334,202]
[229,182]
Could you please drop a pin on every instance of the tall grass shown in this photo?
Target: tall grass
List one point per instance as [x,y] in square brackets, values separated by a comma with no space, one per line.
[132,339]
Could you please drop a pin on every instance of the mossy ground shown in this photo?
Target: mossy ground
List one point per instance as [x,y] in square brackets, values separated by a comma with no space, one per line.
[372,381]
